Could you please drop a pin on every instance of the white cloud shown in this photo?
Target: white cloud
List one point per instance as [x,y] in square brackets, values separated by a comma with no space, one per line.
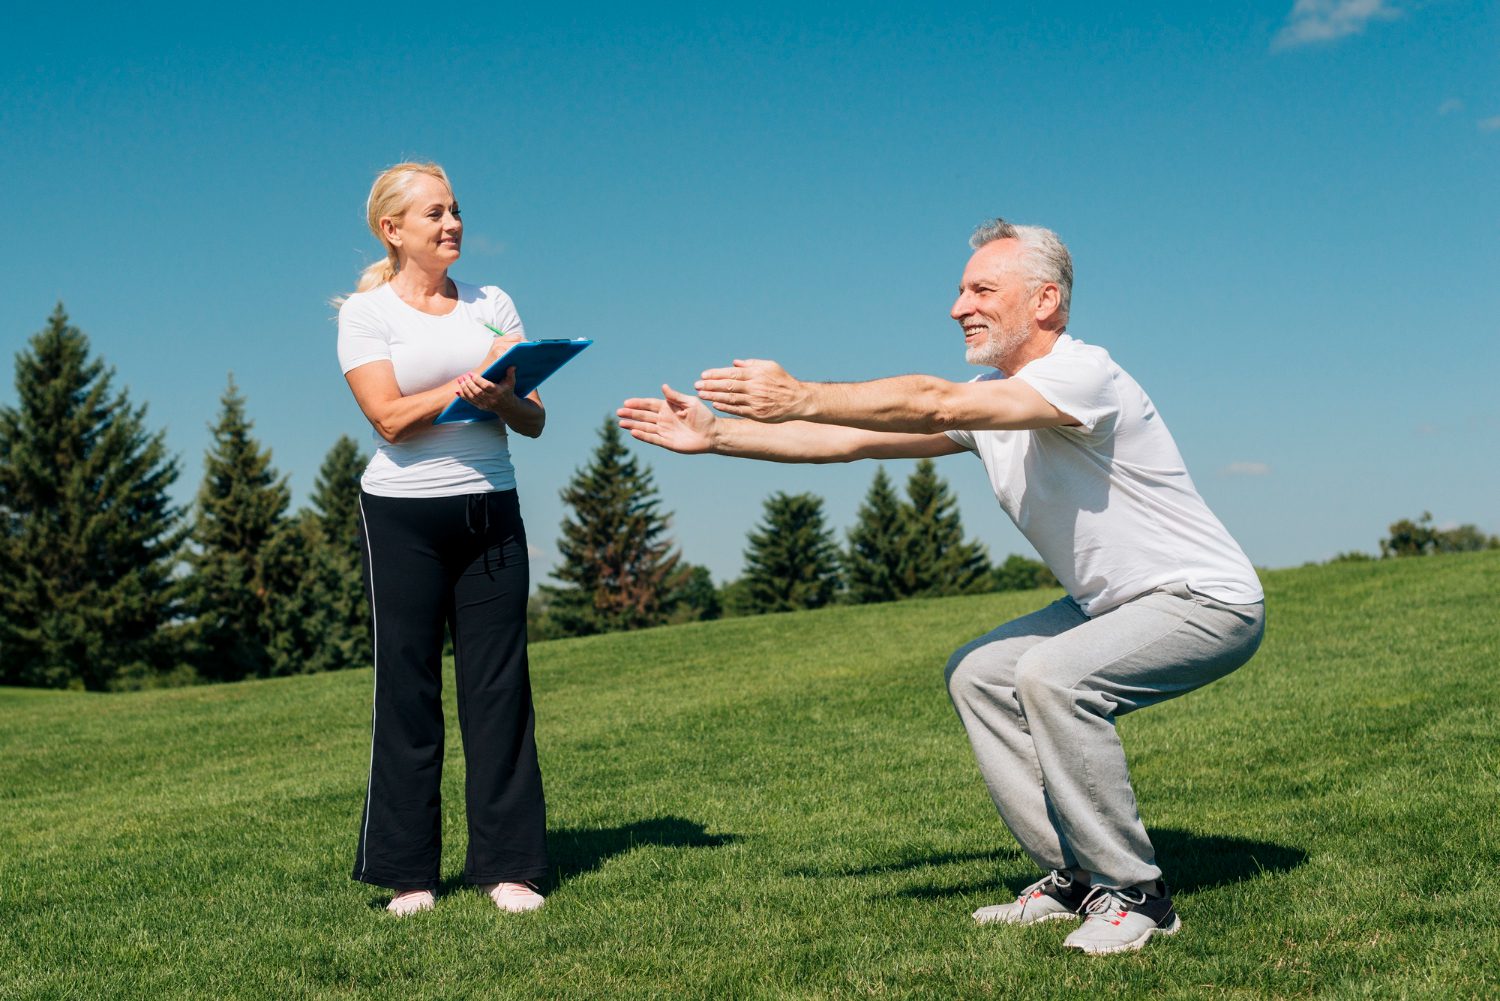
[1450,106]
[1247,469]
[1326,20]
[1489,124]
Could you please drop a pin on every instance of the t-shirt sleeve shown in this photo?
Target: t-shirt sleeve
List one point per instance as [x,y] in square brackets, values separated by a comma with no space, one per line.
[965,439]
[362,338]
[504,316]
[1078,385]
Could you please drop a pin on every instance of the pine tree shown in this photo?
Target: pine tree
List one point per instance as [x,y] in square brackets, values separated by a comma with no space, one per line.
[87,533]
[335,495]
[312,598]
[317,616]
[792,561]
[936,559]
[335,498]
[877,543]
[240,507]
[696,599]
[620,568]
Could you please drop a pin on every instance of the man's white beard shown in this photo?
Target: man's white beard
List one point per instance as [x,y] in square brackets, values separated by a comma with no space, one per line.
[1000,344]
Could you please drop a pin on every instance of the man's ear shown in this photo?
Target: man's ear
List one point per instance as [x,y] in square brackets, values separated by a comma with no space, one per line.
[1048,302]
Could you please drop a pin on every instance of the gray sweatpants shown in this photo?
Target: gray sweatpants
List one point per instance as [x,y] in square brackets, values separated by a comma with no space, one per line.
[1039,697]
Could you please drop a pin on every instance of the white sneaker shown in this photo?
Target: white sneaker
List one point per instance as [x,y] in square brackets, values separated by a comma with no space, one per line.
[514,897]
[1123,920]
[1054,897]
[410,902]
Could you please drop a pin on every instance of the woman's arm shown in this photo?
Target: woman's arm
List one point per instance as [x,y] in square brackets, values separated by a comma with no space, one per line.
[396,418]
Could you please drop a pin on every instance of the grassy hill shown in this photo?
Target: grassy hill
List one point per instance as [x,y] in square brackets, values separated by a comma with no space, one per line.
[786,806]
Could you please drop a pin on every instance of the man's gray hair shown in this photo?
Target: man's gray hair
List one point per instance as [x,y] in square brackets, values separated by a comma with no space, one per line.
[1044,257]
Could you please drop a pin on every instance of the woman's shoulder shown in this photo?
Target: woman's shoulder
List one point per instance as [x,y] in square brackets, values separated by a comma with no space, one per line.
[490,304]
[365,303]
[480,293]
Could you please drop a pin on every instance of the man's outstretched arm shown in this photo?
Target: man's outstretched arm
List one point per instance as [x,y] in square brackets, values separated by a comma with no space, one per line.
[910,404]
[683,424]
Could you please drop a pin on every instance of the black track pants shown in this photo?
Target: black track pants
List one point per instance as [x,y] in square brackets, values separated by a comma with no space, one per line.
[460,560]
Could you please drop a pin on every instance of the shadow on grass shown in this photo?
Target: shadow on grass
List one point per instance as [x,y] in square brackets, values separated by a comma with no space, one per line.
[906,865]
[1191,862]
[576,851]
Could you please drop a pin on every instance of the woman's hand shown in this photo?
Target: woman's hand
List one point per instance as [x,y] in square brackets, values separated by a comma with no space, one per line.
[498,347]
[676,422]
[526,416]
[495,397]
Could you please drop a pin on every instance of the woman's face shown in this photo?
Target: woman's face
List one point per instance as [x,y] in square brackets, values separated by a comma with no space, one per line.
[430,233]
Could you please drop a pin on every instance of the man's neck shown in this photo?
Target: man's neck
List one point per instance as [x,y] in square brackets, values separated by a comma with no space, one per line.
[1038,345]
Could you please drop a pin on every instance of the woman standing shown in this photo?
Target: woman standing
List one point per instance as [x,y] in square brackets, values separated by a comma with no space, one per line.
[443,544]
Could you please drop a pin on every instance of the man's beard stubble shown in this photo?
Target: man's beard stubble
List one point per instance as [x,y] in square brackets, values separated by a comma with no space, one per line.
[1000,344]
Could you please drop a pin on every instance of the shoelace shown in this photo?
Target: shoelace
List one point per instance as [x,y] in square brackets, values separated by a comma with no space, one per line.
[1105,903]
[1053,879]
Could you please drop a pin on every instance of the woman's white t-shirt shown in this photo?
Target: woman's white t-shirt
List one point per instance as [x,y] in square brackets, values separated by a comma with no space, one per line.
[1109,505]
[426,351]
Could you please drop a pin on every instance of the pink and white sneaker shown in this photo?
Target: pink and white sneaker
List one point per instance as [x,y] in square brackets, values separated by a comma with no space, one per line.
[410,902]
[514,897]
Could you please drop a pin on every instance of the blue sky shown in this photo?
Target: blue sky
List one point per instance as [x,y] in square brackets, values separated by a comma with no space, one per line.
[1283,216]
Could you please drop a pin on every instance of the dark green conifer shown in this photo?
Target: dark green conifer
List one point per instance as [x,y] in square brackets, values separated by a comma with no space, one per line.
[792,561]
[87,533]
[335,494]
[618,566]
[936,559]
[317,615]
[876,545]
[240,506]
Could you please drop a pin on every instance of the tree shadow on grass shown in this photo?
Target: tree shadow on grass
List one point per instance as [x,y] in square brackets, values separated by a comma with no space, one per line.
[1191,862]
[576,851]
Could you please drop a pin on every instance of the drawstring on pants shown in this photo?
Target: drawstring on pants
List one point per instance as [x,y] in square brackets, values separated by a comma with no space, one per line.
[482,501]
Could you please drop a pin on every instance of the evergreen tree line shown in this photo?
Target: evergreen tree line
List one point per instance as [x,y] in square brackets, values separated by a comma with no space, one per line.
[620,570]
[105,584]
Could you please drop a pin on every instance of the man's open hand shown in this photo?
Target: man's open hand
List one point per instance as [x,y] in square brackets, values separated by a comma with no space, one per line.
[753,388]
[679,423]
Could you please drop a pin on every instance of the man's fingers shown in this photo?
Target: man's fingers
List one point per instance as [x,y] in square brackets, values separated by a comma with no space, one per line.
[648,437]
[732,374]
[728,386]
[641,403]
[637,416]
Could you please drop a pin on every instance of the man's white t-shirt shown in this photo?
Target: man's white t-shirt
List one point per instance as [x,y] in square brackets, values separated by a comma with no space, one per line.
[1108,505]
[427,351]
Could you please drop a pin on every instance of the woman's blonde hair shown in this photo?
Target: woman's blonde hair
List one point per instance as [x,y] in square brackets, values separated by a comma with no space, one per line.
[390,197]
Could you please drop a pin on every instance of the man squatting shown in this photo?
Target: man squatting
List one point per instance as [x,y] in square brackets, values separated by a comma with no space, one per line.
[1160,599]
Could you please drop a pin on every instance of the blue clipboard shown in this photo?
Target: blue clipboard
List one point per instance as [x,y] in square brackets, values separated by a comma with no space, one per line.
[534,362]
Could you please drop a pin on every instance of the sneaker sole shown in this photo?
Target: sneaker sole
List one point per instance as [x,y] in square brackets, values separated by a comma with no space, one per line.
[997,920]
[1135,945]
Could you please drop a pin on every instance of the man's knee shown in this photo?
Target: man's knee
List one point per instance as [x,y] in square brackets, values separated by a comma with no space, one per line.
[1036,680]
[958,676]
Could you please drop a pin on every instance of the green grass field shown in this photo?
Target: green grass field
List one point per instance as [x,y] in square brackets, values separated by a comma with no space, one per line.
[786,806]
